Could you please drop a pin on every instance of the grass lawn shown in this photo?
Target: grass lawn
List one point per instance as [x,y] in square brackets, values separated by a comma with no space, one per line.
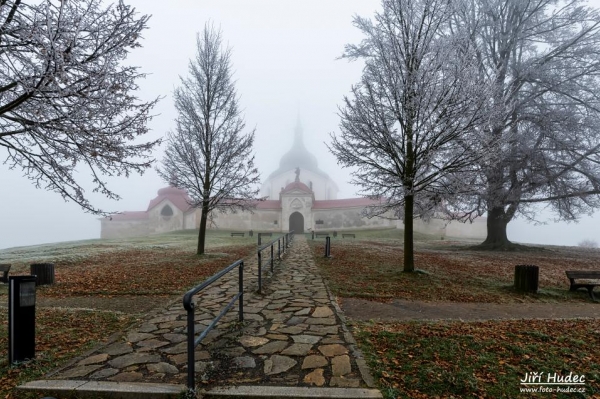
[479,360]
[464,359]
[107,283]
[370,267]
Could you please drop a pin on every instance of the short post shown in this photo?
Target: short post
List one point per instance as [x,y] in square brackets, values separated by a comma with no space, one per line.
[313,234]
[328,247]
[279,248]
[259,271]
[21,318]
[241,291]
[272,244]
[259,240]
[190,348]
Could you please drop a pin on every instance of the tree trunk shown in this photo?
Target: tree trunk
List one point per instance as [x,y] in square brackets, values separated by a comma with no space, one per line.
[497,221]
[202,231]
[409,257]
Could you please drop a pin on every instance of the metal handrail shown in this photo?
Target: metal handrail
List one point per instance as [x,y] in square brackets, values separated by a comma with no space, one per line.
[189,307]
[286,239]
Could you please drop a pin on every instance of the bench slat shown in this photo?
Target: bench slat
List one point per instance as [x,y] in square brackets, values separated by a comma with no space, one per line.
[583,274]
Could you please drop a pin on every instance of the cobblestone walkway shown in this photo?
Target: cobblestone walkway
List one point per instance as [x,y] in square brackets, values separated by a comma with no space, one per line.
[294,335]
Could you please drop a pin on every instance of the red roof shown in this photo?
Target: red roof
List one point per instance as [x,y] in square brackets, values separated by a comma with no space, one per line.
[345,203]
[268,204]
[134,215]
[178,197]
[297,185]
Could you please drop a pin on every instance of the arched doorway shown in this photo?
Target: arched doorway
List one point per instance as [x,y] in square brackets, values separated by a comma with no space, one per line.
[297,222]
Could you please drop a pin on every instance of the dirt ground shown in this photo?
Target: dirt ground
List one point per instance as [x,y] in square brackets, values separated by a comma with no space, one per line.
[398,309]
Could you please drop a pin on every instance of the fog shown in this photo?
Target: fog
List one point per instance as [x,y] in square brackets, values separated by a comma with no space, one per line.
[285,57]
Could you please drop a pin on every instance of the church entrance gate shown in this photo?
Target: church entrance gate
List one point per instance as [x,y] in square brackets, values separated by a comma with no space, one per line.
[297,223]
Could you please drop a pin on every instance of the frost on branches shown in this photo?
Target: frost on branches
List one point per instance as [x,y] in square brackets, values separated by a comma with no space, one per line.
[542,58]
[208,154]
[66,99]
[410,126]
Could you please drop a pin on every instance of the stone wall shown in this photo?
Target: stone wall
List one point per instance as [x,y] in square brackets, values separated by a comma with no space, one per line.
[123,228]
[348,219]
[260,220]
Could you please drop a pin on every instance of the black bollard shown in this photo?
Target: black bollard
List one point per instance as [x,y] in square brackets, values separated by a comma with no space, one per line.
[328,247]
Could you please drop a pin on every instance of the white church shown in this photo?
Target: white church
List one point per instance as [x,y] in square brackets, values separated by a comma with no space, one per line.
[300,197]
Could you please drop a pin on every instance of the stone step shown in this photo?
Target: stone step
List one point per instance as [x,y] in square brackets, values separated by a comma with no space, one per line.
[63,389]
[120,390]
[270,392]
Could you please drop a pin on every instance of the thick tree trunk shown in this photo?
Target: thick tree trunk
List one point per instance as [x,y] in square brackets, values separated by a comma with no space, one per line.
[497,221]
[202,230]
[409,257]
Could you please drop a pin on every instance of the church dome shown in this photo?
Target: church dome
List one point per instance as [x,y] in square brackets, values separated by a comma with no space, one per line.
[298,157]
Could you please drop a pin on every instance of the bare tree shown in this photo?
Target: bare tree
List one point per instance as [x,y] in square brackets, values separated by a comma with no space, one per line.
[207,154]
[542,58]
[409,124]
[66,102]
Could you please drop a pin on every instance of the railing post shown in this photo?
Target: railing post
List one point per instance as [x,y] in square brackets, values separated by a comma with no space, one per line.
[241,291]
[259,272]
[279,248]
[259,240]
[190,348]
[272,245]
[327,247]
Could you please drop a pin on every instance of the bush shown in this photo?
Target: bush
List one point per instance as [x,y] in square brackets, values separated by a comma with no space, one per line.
[588,244]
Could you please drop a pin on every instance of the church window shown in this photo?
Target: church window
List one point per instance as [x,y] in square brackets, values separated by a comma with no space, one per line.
[166,211]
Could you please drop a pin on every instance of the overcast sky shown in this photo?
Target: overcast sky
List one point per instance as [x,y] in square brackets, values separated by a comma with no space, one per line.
[285,61]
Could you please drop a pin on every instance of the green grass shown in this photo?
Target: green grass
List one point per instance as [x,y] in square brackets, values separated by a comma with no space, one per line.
[76,250]
[483,360]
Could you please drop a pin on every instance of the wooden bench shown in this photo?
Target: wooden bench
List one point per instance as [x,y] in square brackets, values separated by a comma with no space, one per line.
[237,234]
[348,235]
[322,235]
[4,268]
[583,274]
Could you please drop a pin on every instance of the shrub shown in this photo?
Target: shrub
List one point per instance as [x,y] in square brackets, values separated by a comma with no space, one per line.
[588,244]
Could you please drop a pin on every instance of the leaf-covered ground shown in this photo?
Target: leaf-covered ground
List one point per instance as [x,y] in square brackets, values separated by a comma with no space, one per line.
[480,360]
[373,270]
[60,335]
[122,279]
[164,271]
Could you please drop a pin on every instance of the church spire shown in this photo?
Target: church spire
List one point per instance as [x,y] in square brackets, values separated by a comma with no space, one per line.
[298,133]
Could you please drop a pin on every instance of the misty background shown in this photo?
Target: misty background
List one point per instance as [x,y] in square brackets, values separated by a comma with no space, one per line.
[285,57]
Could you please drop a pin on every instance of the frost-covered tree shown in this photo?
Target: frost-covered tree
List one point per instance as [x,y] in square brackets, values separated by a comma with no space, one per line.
[409,124]
[542,58]
[66,99]
[208,154]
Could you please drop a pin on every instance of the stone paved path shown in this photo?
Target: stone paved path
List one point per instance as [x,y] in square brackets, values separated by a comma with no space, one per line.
[294,334]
